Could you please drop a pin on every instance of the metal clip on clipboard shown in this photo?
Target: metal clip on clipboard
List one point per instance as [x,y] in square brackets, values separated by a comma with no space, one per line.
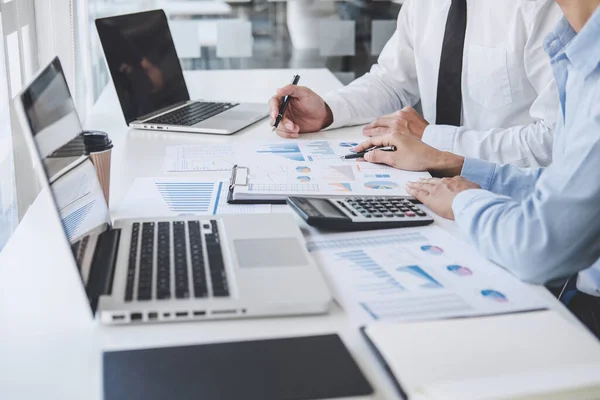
[233,184]
[233,181]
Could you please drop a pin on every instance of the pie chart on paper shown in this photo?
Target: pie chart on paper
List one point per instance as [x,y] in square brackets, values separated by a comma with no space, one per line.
[381,185]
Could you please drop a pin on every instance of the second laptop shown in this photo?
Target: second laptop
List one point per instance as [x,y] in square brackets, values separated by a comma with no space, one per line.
[149,81]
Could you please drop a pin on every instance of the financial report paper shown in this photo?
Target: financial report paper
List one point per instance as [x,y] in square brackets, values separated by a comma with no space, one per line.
[416,274]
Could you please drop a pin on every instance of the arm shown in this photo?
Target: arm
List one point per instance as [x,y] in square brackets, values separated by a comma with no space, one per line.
[554,231]
[507,180]
[524,145]
[390,85]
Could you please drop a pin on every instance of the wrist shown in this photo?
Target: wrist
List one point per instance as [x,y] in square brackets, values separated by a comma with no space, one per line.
[446,164]
[328,118]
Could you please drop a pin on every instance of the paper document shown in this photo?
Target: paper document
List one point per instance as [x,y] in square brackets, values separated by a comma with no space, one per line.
[166,197]
[299,167]
[415,274]
[80,200]
[207,157]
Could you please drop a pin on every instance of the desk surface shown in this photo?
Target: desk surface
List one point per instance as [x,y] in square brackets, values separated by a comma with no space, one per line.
[50,346]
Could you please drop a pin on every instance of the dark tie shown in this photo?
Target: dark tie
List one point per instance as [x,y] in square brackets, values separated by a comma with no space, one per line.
[449,92]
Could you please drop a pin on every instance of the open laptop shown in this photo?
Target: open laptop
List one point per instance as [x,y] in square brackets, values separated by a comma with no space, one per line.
[149,81]
[163,269]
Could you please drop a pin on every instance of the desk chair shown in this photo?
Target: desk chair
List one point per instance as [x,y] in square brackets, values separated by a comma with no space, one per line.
[584,306]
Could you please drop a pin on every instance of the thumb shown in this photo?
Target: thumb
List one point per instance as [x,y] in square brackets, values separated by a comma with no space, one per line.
[380,157]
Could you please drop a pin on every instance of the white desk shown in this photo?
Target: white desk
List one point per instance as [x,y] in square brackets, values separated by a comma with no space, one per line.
[50,347]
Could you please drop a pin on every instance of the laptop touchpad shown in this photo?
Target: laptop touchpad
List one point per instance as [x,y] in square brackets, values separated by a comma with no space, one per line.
[277,252]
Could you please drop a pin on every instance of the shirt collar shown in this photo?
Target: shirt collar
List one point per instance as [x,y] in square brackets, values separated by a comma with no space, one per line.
[556,41]
[584,50]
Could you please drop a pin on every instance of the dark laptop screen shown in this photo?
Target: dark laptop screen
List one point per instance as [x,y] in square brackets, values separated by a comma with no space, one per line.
[78,198]
[143,62]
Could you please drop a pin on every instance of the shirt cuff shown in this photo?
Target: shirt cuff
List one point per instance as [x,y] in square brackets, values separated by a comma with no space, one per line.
[340,111]
[479,171]
[440,136]
[464,199]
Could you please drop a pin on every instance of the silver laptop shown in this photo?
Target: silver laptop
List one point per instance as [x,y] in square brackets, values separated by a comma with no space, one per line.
[147,75]
[163,269]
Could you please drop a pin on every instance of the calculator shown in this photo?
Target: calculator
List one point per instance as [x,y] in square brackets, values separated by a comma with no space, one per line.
[360,213]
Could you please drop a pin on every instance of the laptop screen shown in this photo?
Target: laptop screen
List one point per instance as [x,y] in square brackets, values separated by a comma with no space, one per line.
[53,121]
[143,62]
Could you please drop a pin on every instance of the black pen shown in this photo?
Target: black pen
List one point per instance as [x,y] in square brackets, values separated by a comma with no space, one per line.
[361,154]
[286,101]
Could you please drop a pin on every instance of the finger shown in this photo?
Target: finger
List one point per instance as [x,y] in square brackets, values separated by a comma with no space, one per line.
[294,91]
[371,142]
[384,121]
[380,157]
[380,131]
[287,134]
[429,186]
[274,103]
[419,194]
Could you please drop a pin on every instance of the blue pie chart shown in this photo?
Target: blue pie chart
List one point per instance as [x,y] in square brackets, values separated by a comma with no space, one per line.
[381,185]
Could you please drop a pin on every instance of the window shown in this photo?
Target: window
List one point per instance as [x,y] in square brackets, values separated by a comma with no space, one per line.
[8,215]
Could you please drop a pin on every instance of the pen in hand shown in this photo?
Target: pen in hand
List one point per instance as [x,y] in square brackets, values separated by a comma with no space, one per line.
[286,101]
[361,154]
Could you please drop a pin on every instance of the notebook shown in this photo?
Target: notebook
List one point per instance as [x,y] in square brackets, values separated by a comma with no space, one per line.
[301,368]
[537,355]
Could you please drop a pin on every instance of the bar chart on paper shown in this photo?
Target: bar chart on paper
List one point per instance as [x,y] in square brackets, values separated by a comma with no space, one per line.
[170,197]
[405,275]
[73,221]
[187,197]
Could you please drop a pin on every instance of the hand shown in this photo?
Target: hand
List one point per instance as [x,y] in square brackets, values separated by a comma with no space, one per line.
[406,121]
[412,155]
[438,194]
[306,112]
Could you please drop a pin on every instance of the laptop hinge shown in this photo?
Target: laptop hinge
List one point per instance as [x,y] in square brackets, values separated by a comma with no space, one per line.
[102,270]
[163,110]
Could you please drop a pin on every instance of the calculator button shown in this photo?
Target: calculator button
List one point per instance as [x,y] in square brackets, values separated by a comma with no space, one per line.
[377,215]
[410,214]
[399,215]
[404,209]
[388,215]
[421,214]
[368,216]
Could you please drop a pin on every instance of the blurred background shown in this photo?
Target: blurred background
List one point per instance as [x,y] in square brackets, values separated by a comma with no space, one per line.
[344,36]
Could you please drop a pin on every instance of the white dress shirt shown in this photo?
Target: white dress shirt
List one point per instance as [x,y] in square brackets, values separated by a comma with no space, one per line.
[510,100]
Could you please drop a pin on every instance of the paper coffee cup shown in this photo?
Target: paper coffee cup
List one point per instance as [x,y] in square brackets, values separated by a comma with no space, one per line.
[101,161]
[98,147]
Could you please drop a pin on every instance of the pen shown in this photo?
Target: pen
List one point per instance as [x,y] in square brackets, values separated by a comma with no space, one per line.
[360,154]
[286,101]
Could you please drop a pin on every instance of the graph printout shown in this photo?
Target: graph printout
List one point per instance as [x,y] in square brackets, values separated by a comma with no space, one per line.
[80,200]
[416,274]
[316,167]
[170,197]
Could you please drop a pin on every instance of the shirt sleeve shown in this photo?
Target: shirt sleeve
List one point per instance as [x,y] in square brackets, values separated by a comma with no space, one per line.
[551,233]
[523,145]
[390,85]
[506,180]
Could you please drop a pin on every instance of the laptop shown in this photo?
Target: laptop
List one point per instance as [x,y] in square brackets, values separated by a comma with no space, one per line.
[163,269]
[147,75]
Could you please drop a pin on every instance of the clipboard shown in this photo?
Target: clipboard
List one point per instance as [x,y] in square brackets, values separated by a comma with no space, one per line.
[233,184]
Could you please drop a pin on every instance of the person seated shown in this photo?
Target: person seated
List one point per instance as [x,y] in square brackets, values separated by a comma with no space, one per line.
[477,68]
[541,224]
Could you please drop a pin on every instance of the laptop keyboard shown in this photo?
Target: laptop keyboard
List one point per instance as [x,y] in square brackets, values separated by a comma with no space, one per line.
[192,113]
[169,248]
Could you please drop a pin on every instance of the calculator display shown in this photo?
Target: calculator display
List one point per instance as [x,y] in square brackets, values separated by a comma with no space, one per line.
[326,208]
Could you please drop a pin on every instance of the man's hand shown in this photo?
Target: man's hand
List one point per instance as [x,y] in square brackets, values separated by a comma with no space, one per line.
[438,194]
[411,155]
[306,112]
[406,121]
